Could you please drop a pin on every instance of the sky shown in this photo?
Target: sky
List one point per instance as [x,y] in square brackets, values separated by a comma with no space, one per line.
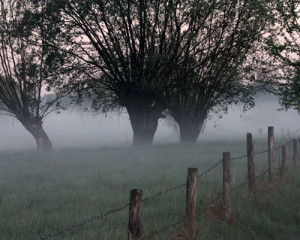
[73,129]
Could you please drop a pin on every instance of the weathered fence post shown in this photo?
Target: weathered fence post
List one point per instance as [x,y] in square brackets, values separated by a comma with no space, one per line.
[295,153]
[283,163]
[271,155]
[135,228]
[191,200]
[251,168]
[226,185]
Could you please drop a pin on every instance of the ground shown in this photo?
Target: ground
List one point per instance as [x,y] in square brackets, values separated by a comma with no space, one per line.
[43,193]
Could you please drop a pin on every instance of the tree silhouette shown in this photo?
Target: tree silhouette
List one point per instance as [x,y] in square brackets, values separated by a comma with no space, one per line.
[283,45]
[26,64]
[127,51]
[211,72]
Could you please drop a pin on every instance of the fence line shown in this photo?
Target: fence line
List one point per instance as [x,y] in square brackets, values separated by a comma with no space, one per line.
[88,220]
[208,205]
[211,168]
[205,208]
[164,192]
[91,219]
[113,211]
[261,152]
[245,183]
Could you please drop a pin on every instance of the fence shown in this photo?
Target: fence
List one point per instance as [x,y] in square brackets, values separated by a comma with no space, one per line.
[135,227]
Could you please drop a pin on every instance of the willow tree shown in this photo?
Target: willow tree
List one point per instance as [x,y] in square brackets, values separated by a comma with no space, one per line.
[284,46]
[127,50]
[210,75]
[26,64]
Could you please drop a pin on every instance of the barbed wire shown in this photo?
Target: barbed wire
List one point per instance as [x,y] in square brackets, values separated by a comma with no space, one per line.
[262,174]
[261,152]
[77,225]
[210,204]
[218,196]
[245,183]
[239,157]
[110,212]
[210,169]
[182,185]
[163,229]
[89,220]
[164,192]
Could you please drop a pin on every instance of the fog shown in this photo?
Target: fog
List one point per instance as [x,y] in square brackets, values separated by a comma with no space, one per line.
[72,129]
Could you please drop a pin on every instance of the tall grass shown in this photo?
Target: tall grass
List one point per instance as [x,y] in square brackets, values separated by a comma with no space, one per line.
[43,193]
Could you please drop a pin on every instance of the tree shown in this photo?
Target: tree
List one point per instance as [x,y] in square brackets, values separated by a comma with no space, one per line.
[26,65]
[127,50]
[284,46]
[211,72]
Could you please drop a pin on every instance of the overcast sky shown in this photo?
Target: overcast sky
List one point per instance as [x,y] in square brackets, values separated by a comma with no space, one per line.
[76,129]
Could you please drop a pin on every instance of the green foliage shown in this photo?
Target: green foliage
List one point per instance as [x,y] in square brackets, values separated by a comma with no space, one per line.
[28,59]
[289,93]
[115,48]
[215,69]
[283,45]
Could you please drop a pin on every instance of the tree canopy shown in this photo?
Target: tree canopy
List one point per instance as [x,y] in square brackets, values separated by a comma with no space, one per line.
[189,58]
[129,48]
[211,73]
[283,44]
[150,56]
[27,63]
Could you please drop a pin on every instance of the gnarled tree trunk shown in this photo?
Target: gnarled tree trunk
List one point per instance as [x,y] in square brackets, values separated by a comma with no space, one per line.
[144,124]
[36,129]
[190,128]
[189,133]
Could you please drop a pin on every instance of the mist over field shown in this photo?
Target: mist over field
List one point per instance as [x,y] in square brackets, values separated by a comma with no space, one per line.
[71,129]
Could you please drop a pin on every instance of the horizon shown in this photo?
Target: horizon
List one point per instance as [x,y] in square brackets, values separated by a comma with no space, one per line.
[75,128]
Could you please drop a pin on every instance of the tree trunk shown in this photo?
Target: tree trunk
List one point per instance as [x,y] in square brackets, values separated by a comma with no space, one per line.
[188,134]
[43,142]
[190,130]
[144,123]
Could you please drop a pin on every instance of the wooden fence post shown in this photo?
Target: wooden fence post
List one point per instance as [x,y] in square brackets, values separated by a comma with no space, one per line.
[191,200]
[295,153]
[251,168]
[135,228]
[226,185]
[283,163]
[271,155]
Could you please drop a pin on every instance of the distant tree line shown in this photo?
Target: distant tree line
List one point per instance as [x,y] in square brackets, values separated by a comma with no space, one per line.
[187,59]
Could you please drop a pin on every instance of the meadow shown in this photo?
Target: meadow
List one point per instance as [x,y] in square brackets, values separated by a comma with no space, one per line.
[41,193]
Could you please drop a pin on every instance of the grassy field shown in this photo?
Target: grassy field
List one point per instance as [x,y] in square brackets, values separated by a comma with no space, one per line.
[43,193]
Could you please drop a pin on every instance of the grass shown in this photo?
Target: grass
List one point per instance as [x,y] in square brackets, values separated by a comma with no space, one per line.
[43,193]
[272,214]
